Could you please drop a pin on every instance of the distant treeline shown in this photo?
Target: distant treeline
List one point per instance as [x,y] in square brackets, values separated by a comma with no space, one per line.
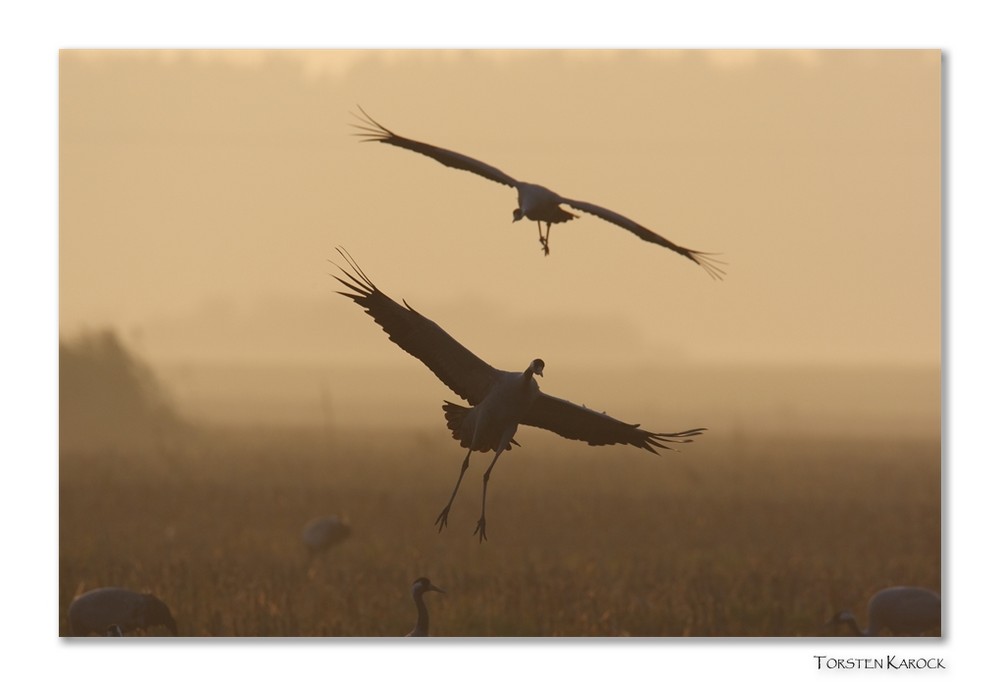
[110,399]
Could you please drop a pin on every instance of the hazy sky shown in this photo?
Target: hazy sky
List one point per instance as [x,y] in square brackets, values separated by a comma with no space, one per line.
[201,194]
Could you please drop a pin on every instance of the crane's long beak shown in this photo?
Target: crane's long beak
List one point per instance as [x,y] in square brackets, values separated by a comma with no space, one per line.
[435,588]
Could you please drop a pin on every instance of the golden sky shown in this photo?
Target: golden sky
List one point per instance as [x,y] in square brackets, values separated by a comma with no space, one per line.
[202,193]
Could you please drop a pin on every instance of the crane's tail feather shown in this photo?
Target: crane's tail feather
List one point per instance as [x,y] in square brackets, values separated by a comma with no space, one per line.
[454,415]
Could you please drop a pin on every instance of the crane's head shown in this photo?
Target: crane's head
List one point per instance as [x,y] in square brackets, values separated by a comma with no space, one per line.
[422,585]
[536,367]
[518,214]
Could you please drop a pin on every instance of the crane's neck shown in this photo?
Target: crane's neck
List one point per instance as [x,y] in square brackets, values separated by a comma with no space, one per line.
[423,621]
[535,368]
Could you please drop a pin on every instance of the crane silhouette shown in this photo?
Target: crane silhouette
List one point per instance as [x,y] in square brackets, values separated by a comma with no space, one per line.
[97,610]
[421,586]
[500,401]
[533,201]
[903,610]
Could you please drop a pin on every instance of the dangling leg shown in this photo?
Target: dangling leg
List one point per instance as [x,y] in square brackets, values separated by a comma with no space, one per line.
[544,240]
[442,520]
[481,526]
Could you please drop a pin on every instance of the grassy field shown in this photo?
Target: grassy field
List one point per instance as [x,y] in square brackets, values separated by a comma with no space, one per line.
[760,536]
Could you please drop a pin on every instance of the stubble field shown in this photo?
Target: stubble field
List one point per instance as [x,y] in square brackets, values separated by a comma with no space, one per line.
[736,536]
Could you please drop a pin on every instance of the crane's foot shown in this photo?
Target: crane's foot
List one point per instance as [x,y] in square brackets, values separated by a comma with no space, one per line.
[442,521]
[545,246]
[481,529]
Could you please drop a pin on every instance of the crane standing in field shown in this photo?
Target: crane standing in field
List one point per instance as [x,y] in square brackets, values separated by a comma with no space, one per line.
[533,201]
[902,610]
[500,400]
[95,611]
[421,586]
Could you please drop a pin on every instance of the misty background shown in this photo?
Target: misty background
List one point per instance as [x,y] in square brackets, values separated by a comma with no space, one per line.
[202,194]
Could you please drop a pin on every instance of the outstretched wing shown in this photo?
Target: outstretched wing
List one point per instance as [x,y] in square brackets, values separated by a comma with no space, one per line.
[704,260]
[457,367]
[597,428]
[371,130]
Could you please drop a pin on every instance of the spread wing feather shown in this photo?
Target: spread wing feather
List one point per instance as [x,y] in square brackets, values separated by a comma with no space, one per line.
[372,131]
[704,260]
[457,367]
[597,428]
